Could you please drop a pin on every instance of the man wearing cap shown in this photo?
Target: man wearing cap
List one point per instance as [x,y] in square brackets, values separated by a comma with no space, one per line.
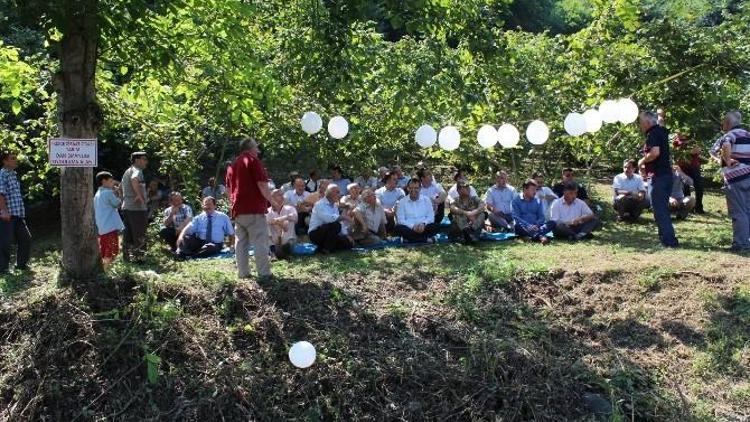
[134,208]
[467,214]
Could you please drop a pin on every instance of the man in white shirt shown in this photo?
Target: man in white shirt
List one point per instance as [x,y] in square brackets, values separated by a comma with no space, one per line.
[389,195]
[434,192]
[286,187]
[415,219]
[544,193]
[297,198]
[573,218]
[368,220]
[630,198]
[498,201]
[325,223]
[366,180]
[453,191]
[281,220]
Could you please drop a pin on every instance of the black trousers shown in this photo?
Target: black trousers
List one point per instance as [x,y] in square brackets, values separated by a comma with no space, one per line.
[169,235]
[300,228]
[695,174]
[412,236]
[563,231]
[10,231]
[134,239]
[194,246]
[328,238]
[440,214]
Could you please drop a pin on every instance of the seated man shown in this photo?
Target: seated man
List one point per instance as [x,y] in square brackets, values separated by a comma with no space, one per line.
[351,199]
[630,193]
[297,198]
[325,223]
[366,180]
[338,179]
[573,219]
[281,219]
[569,176]
[544,193]
[680,204]
[453,191]
[389,195]
[382,172]
[204,236]
[498,201]
[528,214]
[467,215]
[216,191]
[311,184]
[286,187]
[434,192]
[402,181]
[320,193]
[176,217]
[415,218]
[368,220]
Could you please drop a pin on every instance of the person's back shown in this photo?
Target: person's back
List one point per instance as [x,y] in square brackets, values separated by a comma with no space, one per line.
[242,180]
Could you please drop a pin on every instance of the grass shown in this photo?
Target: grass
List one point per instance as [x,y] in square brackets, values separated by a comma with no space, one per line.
[511,331]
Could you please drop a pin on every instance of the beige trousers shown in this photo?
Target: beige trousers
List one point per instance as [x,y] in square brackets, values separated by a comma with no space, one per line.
[252,229]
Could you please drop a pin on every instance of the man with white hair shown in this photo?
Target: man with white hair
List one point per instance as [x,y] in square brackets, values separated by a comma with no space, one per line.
[656,164]
[325,223]
[732,150]
[366,180]
[368,220]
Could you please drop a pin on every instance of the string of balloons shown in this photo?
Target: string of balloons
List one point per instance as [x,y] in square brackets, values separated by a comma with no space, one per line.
[507,135]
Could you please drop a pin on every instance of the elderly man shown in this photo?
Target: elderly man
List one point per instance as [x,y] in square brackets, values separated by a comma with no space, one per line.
[679,203]
[467,215]
[573,218]
[629,198]
[326,223]
[434,192]
[528,214]
[498,201]
[568,176]
[657,165]
[281,219]
[176,217]
[389,195]
[297,198]
[415,218]
[204,235]
[732,150]
[368,220]
[12,216]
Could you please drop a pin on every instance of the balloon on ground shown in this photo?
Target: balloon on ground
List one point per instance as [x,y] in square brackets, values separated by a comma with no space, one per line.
[302,354]
[449,138]
[537,132]
[487,136]
[426,136]
[508,135]
[338,127]
[311,123]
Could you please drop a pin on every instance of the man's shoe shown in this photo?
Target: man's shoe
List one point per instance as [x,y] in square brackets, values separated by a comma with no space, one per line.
[544,240]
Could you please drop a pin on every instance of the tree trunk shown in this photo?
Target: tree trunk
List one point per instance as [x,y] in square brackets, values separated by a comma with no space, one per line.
[80,118]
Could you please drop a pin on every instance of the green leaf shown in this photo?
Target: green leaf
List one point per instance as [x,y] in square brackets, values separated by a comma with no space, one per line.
[152,367]
[123,70]
[16,107]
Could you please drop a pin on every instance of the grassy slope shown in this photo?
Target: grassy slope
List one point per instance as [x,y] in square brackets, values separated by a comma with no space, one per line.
[509,330]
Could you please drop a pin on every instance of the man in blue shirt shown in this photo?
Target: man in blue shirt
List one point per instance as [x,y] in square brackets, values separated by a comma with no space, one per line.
[12,216]
[528,214]
[657,165]
[204,235]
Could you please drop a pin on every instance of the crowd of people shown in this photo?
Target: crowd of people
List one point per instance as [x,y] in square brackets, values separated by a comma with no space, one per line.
[338,214]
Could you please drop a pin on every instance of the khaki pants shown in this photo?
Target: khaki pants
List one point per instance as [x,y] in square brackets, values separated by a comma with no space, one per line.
[252,229]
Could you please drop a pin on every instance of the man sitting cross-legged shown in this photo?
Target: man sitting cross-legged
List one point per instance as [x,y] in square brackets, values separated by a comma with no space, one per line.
[415,218]
[389,195]
[467,214]
[498,200]
[176,217]
[433,191]
[325,223]
[680,204]
[297,198]
[368,220]
[204,235]
[528,214]
[573,218]
[630,193]
[281,219]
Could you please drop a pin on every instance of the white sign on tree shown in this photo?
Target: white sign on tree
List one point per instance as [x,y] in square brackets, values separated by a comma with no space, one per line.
[64,152]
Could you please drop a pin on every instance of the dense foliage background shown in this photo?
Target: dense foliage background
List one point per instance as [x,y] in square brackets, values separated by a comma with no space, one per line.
[183,80]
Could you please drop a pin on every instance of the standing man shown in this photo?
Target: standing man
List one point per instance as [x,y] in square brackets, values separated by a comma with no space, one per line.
[247,181]
[134,209]
[656,164]
[733,152]
[12,216]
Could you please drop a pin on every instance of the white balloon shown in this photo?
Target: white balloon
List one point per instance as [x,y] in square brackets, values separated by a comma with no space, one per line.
[425,136]
[575,124]
[593,120]
[608,111]
[537,132]
[338,127]
[449,138]
[508,135]
[487,136]
[302,354]
[627,110]
[311,122]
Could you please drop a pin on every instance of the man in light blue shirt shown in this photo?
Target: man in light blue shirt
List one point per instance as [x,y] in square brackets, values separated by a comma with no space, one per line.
[528,214]
[337,178]
[204,235]
[498,201]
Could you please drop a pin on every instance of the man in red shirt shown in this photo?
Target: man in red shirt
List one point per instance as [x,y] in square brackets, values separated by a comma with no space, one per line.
[247,182]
